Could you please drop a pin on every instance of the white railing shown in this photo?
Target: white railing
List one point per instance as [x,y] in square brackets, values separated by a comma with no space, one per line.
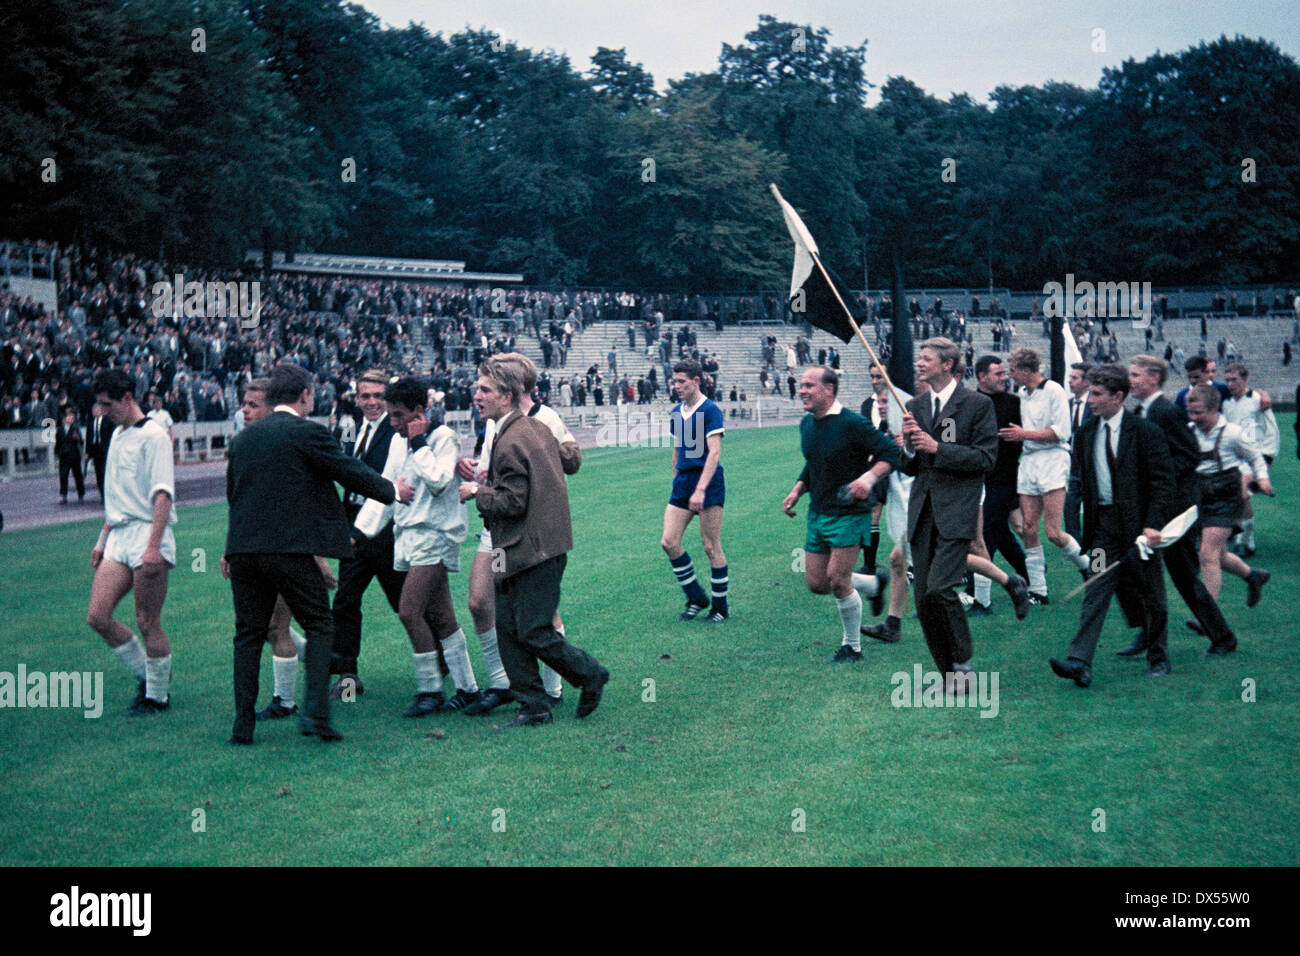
[30,451]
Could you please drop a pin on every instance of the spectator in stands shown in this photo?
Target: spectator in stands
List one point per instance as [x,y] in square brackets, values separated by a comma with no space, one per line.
[68,445]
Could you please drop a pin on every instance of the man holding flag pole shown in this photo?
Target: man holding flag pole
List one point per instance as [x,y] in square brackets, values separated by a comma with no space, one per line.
[846,456]
[950,441]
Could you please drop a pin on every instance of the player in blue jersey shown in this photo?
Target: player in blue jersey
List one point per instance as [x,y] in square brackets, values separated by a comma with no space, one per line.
[698,489]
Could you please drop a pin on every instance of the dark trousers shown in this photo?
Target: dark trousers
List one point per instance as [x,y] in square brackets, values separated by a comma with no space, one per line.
[71,465]
[525,607]
[1073,506]
[1184,564]
[255,580]
[99,461]
[1144,583]
[938,569]
[371,559]
[1000,499]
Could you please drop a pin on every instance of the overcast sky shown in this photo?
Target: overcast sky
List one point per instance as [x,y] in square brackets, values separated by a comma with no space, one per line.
[944,46]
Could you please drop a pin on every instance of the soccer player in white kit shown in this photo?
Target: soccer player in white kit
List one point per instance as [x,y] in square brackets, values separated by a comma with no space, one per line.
[1245,408]
[136,547]
[482,594]
[429,526]
[1044,466]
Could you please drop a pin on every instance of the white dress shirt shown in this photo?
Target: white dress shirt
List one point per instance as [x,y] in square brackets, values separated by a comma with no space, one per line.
[1105,486]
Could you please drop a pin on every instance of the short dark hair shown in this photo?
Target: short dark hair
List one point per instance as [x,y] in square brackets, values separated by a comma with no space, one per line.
[1083,367]
[287,383]
[408,392]
[1237,368]
[114,383]
[690,368]
[830,378]
[985,363]
[1113,378]
[1196,363]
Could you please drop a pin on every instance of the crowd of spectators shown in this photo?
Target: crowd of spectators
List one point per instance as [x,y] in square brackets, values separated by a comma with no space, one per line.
[109,316]
[336,327]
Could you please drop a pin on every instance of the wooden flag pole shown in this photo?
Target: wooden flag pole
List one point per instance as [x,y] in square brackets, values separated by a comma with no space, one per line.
[861,338]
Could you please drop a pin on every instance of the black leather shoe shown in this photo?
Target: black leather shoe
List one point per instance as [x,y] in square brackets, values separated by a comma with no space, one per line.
[138,699]
[882,589]
[461,699]
[1195,626]
[882,632]
[492,698]
[1038,600]
[1254,584]
[319,728]
[1077,671]
[239,740]
[1219,650]
[589,699]
[1159,670]
[276,710]
[425,704]
[976,609]
[531,718]
[1018,589]
[148,707]
[1134,649]
[846,655]
[342,684]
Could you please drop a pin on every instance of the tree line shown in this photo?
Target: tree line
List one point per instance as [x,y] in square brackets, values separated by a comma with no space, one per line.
[192,131]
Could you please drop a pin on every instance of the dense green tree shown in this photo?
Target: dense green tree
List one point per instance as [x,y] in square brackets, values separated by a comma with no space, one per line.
[692,205]
[625,85]
[1178,168]
[1172,134]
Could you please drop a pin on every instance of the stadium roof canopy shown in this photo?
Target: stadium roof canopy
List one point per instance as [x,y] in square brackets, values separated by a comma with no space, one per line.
[436,270]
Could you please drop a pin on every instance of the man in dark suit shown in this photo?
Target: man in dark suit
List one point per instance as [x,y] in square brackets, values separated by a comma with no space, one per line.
[67,448]
[1128,490]
[1146,376]
[283,510]
[1080,415]
[525,504]
[98,435]
[950,440]
[371,557]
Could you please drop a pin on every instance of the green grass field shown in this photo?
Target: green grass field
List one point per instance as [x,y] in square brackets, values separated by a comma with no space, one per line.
[749,723]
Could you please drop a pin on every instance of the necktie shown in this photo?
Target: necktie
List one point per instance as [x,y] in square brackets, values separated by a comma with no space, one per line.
[362,439]
[937,405]
[1110,459]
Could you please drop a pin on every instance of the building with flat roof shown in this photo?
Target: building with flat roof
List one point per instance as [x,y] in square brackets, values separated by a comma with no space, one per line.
[444,271]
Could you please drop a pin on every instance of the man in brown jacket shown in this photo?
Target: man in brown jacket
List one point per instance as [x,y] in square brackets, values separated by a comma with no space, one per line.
[525,505]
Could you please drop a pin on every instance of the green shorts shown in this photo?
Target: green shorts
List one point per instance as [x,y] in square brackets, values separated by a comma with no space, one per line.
[835,531]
